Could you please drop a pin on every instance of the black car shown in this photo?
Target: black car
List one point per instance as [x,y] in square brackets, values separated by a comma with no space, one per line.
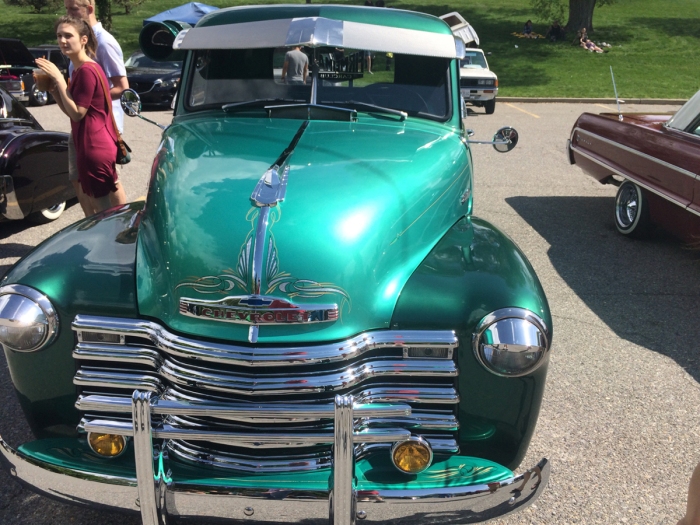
[16,65]
[52,53]
[33,166]
[155,82]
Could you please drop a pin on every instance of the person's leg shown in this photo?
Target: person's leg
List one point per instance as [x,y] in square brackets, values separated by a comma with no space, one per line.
[102,203]
[692,513]
[118,198]
[84,200]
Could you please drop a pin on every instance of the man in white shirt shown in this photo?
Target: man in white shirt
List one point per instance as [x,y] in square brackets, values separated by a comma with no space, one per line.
[111,59]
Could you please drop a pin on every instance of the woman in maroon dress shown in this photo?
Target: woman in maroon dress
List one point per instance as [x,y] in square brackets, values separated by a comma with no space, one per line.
[85,103]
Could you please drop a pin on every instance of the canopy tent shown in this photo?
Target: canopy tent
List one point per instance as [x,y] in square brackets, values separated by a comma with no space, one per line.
[190,13]
[460,27]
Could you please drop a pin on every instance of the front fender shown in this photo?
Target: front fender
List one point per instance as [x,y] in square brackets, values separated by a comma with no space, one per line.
[474,270]
[86,268]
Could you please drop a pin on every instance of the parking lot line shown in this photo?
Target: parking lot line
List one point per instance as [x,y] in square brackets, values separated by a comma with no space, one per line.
[606,107]
[520,109]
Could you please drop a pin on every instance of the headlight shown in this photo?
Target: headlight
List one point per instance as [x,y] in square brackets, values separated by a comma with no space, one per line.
[511,342]
[485,82]
[169,83]
[28,321]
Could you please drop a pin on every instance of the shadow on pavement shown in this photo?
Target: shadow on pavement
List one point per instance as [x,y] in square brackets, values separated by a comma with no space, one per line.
[646,291]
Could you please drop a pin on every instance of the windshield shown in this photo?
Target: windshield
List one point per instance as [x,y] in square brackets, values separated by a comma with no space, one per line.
[141,60]
[348,78]
[473,60]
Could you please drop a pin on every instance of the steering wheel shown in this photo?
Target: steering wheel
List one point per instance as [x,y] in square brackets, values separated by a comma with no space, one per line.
[396,91]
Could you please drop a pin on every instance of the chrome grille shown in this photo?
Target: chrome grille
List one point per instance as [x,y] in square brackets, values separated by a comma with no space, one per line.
[208,388]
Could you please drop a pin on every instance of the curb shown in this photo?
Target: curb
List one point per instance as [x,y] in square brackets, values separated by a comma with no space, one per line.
[667,101]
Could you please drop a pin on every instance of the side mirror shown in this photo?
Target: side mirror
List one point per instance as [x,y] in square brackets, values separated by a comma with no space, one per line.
[131,103]
[505,140]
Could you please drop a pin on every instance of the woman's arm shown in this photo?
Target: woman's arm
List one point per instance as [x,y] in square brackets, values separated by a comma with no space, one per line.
[60,92]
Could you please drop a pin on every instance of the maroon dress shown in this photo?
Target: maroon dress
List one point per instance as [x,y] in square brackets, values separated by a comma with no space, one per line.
[94,136]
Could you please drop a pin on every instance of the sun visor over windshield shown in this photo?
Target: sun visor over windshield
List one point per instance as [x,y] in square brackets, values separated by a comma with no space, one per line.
[317,32]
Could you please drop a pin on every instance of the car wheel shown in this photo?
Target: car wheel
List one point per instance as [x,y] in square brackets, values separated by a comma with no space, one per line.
[631,211]
[47,214]
[38,98]
[490,106]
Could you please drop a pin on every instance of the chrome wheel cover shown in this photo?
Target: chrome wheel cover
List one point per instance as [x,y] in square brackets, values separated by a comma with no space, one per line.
[627,206]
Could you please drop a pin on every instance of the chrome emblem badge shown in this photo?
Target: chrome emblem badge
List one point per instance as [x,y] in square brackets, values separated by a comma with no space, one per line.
[257,310]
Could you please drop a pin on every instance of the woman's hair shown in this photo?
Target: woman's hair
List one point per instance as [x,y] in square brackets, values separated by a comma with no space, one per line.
[83,28]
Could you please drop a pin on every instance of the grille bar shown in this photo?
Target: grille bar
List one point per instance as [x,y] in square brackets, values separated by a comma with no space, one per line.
[248,439]
[184,347]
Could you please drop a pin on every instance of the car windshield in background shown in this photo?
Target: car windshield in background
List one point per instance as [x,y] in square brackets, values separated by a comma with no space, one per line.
[473,60]
[142,61]
[416,85]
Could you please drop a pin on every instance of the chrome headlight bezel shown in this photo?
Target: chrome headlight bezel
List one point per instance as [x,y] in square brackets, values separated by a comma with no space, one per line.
[24,297]
[521,342]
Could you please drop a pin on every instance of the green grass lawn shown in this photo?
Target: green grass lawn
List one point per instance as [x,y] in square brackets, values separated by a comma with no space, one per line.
[654,55]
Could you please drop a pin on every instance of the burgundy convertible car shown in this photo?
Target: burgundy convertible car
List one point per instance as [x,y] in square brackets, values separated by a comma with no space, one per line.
[655,159]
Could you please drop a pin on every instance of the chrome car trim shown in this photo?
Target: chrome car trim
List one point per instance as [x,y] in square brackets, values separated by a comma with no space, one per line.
[96,377]
[116,354]
[636,181]
[143,457]
[634,151]
[205,456]
[259,249]
[10,207]
[239,411]
[342,495]
[257,309]
[238,355]
[40,300]
[463,504]
[520,314]
[303,382]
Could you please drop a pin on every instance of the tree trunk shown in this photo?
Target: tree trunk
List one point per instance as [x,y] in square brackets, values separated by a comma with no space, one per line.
[104,13]
[580,15]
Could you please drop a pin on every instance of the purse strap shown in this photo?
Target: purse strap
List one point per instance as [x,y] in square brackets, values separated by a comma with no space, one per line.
[109,102]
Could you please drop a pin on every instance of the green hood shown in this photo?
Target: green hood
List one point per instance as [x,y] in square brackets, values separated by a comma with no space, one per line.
[365,203]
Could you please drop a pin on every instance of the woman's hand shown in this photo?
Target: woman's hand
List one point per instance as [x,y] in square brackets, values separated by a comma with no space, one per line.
[50,69]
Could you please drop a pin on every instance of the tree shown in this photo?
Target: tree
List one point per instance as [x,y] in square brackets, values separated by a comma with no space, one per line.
[37,5]
[128,5]
[580,12]
[104,13]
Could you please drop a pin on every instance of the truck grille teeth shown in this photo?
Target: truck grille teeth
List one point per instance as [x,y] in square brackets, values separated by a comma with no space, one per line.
[290,389]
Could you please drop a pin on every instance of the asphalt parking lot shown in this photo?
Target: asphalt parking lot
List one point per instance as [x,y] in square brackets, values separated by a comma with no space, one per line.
[620,419]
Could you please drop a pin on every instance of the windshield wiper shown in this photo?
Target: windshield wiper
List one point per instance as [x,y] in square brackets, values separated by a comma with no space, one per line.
[390,111]
[17,120]
[258,101]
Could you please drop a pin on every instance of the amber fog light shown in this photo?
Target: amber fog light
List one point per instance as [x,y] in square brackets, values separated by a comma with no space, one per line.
[412,456]
[108,445]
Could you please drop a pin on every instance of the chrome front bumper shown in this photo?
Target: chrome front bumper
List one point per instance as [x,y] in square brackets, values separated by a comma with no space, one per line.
[156,496]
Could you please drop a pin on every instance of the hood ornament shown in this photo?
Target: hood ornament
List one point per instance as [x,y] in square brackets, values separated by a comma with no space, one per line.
[271,188]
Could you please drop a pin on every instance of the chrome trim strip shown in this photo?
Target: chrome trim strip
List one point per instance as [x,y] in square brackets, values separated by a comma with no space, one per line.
[258,440]
[44,304]
[268,356]
[116,354]
[11,209]
[636,181]
[259,249]
[342,496]
[143,455]
[239,411]
[303,382]
[459,504]
[639,153]
[94,377]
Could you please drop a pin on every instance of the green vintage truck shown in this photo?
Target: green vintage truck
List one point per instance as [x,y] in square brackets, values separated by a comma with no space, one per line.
[303,322]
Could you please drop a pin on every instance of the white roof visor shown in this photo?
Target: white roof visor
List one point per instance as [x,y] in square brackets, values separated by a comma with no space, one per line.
[317,32]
